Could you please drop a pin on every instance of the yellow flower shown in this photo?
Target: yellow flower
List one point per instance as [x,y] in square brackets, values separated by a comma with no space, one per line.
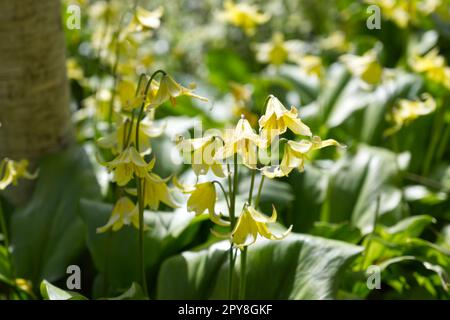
[434,67]
[243,141]
[128,163]
[116,139]
[274,52]
[148,19]
[397,11]
[200,153]
[277,119]
[295,154]
[169,90]
[125,212]
[311,65]
[126,90]
[11,171]
[244,16]
[365,67]
[406,111]
[202,198]
[251,223]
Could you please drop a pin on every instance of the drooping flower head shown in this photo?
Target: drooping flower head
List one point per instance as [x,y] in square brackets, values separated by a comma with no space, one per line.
[243,15]
[252,223]
[201,154]
[277,119]
[127,163]
[433,66]
[241,140]
[11,171]
[125,212]
[169,89]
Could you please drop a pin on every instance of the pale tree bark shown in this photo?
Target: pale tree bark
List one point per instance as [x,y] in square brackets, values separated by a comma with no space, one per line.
[34,92]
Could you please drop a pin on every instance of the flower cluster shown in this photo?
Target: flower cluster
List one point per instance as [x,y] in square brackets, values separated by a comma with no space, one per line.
[210,153]
[130,142]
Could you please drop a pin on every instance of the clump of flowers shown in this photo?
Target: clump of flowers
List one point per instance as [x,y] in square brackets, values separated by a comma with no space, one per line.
[241,145]
[406,111]
[129,144]
[243,15]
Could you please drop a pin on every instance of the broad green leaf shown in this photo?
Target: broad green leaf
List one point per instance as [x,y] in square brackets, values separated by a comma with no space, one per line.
[134,293]
[115,254]
[51,292]
[47,234]
[357,183]
[298,267]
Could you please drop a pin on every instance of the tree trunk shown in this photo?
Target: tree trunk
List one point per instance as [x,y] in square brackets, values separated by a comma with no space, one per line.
[34,92]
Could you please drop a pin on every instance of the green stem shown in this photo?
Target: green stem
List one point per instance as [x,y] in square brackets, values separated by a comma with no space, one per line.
[141,235]
[437,129]
[258,196]
[141,111]
[224,193]
[243,278]
[232,223]
[250,192]
[444,143]
[372,233]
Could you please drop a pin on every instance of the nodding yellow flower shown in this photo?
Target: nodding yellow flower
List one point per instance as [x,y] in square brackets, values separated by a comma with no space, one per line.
[277,119]
[433,66]
[123,137]
[400,12]
[407,110]
[155,190]
[202,199]
[126,90]
[200,153]
[275,52]
[311,65]
[148,19]
[295,155]
[365,67]
[125,212]
[243,141]
[128,163]
[11,171]
[251,223]
[169,89]
[244,16]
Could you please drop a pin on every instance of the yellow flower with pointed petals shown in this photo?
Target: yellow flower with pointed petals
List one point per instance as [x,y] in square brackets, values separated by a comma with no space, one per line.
[11,171]
[433,66]
[169,89]
[365,67]
[128,163]
[274,52]
[155,191]
[202,199]
[407,111]
[116,140]
[252,223]
[126,90]
[200,153]
[277,119]
[295,155]
[125,212]
[244,16]
[243,141]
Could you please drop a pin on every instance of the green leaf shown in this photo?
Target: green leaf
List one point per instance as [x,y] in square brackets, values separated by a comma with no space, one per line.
[357,183]
[134,293]
[115,254]
[298,267]
[51,292]
[47,234]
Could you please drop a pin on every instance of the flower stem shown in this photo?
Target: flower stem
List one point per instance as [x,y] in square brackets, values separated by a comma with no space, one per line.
[243,278]
[250,192]
[232,223]
[141,235]
[258,196]
[141,111]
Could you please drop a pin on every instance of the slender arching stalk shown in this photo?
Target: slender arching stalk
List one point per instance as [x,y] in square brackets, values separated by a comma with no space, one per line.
[141,188]
[224,193]
[258,196]
[243,277]
[232,222]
